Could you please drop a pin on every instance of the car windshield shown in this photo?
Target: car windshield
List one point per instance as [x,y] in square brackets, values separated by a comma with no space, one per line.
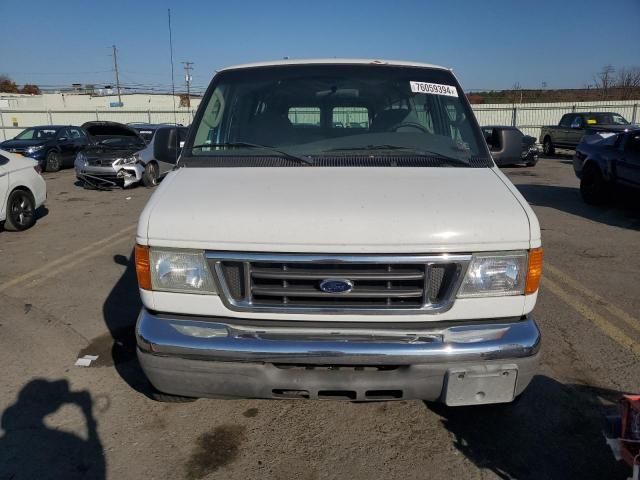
[606,119]
[316,111]
[38,134]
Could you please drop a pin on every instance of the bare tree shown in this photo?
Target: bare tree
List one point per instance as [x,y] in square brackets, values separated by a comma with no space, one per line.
[628,82]
[604,80]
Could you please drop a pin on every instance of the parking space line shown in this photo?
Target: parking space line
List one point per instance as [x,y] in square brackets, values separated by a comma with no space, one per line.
[610,330]
[612,309]
[69,260]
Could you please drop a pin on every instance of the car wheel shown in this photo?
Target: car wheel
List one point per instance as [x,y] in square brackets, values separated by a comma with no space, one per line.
[21,211]
[593,187]
[547,147]
[532,163]
[52,163]
[150,175]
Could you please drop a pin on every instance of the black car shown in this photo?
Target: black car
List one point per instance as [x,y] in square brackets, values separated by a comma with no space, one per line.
[509,146]
[53,146]
[606,160]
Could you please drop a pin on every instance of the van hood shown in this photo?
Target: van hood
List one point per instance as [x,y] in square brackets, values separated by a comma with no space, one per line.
[337,210]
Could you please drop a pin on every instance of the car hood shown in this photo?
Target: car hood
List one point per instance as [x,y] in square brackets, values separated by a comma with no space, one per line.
[109,129]
[98,152]
[346,210]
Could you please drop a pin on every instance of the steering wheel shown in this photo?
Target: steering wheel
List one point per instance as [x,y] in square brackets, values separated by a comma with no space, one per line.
[415,125]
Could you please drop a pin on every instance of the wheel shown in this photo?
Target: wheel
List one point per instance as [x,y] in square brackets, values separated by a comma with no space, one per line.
[150,175]
[532,162]
[547,147]
[21,211]
[52,163]
[593,187]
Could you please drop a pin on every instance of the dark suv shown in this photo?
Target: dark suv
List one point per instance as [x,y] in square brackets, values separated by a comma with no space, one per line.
[54,146]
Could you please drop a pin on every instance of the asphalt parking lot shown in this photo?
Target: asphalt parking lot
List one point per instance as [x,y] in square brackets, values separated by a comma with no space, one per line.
[68,288]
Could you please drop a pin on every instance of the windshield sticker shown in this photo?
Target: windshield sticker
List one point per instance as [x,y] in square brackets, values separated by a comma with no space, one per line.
[434,88]
[591,121]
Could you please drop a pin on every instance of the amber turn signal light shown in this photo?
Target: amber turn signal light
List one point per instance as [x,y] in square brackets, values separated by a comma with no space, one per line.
[534,272]
[143,270]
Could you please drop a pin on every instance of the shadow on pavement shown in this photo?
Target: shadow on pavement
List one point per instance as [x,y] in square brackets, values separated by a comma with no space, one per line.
[623,211]
[120,312]
[552,431]
[30,449]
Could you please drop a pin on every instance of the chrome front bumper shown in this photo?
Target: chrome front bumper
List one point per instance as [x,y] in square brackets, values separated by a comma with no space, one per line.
[212,357]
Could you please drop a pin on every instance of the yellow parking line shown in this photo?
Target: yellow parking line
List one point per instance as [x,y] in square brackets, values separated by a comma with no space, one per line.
[598,320]
[612,309]
[77,261]
[61,264]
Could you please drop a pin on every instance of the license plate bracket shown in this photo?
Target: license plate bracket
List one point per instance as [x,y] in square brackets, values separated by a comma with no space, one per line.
[479,385]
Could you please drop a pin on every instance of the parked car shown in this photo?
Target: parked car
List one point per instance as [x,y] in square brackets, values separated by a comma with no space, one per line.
[605,161]
[159,157]
[509,146]
[146,130]
[389,262]
[22,191]
[568,133]
[53,146]
[111,160]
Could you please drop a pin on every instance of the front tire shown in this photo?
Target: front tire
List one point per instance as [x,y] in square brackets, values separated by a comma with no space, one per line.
[150,175]
[594,188]
[548,147]
[21,211]
[52,162]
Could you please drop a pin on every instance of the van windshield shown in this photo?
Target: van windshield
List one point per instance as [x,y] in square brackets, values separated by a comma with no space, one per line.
[320,111]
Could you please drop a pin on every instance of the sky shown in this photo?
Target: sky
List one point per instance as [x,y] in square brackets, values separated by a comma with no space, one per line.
[490,44]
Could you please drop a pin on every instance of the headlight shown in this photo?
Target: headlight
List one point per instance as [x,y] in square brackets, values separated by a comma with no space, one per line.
[34,149]
[495,274]
[128,160]
[180,271]
[81,157]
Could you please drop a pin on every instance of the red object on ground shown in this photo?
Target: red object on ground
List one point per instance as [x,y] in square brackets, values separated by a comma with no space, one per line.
[630,438]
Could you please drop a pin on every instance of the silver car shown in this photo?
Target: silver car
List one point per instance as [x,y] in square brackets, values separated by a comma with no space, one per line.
[119,157]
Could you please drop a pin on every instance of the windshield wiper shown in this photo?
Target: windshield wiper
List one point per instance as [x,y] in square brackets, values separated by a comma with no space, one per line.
[418,151]
[289,155]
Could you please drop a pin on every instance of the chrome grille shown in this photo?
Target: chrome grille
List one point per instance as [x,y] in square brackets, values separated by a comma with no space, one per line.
[379,283]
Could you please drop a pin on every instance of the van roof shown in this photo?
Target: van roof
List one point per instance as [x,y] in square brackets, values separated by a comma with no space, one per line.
[334,61]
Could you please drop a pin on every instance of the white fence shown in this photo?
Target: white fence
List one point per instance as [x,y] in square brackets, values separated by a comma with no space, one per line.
[529,117]
[13,122]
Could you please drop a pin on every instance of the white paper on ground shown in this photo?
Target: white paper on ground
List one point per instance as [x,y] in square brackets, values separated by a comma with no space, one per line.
[83,362]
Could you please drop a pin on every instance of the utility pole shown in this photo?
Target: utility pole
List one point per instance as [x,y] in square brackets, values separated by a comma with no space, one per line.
[115,65]
[188,66]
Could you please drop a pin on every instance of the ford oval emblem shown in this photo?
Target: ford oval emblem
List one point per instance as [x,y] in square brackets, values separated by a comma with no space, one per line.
[336,285]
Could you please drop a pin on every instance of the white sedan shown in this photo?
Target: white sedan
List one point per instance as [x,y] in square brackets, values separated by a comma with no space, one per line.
[22,191]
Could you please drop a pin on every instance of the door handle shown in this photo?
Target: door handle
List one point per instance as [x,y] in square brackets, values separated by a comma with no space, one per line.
[3,174]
